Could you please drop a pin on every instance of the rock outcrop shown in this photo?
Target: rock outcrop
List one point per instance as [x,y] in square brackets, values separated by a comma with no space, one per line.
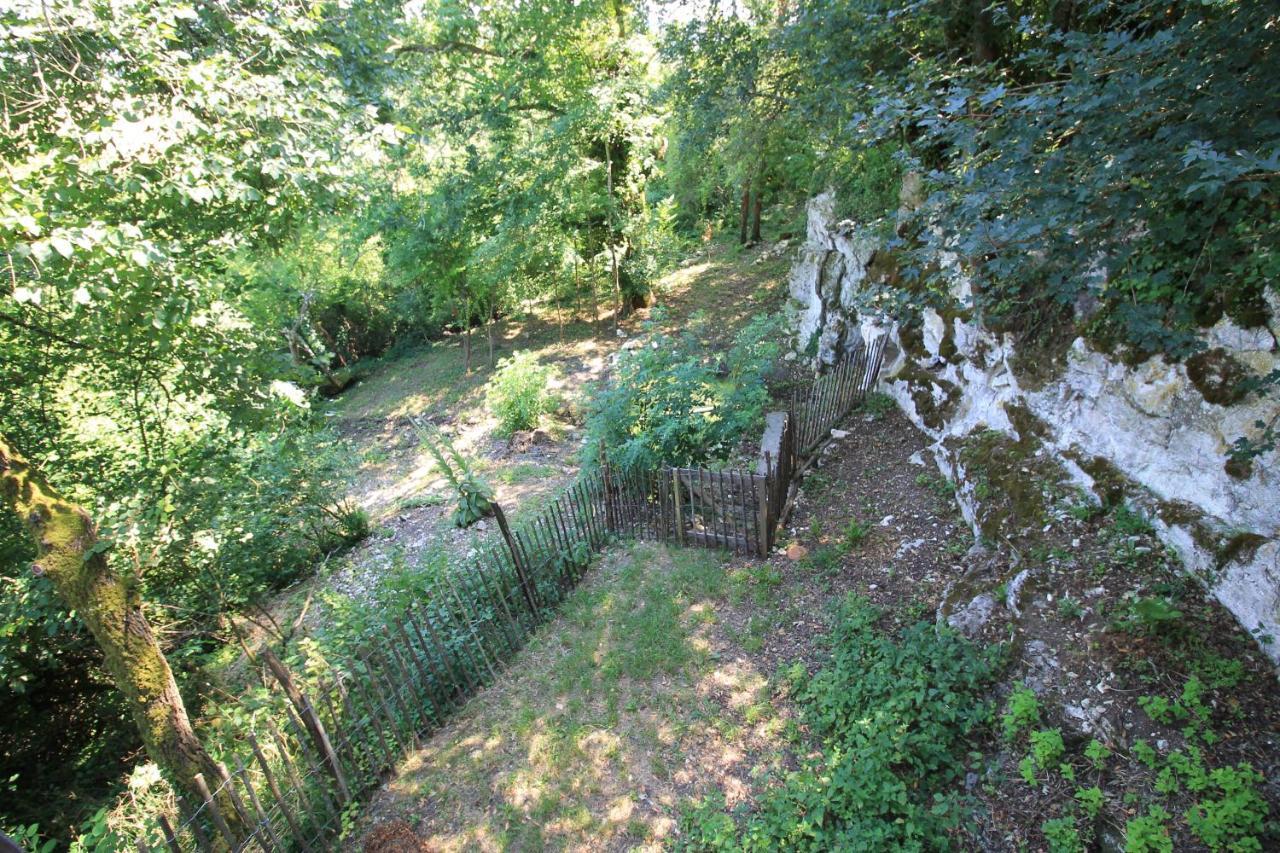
[1155,434]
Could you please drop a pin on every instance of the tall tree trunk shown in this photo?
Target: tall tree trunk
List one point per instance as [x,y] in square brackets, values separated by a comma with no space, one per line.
[70,554]
[466,336]
[757,203]
[613,249]
[983,33]
[595,298]
[742,216]
[488,329]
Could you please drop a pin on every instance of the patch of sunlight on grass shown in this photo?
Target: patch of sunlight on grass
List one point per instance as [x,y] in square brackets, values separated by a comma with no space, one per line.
[601,726]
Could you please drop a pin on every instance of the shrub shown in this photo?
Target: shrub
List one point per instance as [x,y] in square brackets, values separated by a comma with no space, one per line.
[671,402]
[517,394]
[1023,711]
[1232,818]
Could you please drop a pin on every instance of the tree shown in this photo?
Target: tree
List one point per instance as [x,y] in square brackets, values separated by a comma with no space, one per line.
[70,553]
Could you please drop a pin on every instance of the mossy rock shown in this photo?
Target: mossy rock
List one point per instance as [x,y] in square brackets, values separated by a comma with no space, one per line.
[1008,483]
[1218,376]
[920,384]
[1110,485]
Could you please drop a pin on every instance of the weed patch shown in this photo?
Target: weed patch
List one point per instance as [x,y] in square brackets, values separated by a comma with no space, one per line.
[893,716]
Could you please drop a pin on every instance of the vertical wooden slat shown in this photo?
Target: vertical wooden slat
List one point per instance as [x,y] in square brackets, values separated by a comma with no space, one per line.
[402,682]
[521,571]
[471,582]
[742,530]
[610,511]
[762,513]
[359,733]
[404,721]
[215,815]
[191,820]
[486,560]
[599,507]
[263,822]
[428,687]
[675,505]
[650,513]
[570,559]
[295,780]
[633,516]
[663,482]
[726,516]
[522,546]
[326,697]
[314,727]
[472,618]
[277,795]
[708,510]
[445,683]
[170,837]
[582,528]
[460,683]
[362,688]
[551,548]
[581,492]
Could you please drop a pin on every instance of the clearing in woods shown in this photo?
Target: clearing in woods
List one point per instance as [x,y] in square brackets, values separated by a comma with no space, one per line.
[395,479]
[669,676]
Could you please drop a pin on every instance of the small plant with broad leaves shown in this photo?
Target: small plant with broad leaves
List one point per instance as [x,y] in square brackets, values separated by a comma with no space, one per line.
[894,716]
[475,496]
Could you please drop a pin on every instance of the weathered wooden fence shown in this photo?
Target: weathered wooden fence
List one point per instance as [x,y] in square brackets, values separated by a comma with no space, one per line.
[298,759]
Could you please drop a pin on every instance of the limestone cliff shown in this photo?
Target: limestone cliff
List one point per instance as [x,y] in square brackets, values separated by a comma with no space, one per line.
[1155,434]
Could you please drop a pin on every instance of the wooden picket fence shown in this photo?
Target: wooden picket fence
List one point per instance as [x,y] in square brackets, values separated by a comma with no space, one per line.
[322,739]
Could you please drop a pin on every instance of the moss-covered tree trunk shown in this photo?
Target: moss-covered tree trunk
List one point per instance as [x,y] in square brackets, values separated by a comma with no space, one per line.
[69,553]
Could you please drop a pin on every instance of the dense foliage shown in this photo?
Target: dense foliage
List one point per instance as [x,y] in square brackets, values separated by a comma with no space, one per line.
[1105,168]
[673,401]
[210,212]
[893,716]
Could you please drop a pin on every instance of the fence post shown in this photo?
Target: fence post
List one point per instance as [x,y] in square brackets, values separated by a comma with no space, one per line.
[610,517]
[214,814]
[516,558]
[675,488]
[309,719]
[763,514]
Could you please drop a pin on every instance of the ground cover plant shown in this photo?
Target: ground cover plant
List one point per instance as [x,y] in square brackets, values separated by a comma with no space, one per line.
[895,718]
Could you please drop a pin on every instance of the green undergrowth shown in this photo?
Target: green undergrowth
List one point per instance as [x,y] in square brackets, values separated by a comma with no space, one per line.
[894,718]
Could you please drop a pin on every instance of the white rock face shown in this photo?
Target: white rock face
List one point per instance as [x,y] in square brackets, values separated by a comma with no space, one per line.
[1149,422]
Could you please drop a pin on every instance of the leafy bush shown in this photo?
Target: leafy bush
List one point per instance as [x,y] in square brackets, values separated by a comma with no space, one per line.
[517,394]
[260,514]
[893,717]
[1232,818]
[671,403]
[1023,711]
[475,496]
[1148,833]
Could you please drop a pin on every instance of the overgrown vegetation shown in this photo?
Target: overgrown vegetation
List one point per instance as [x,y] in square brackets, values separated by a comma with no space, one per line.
[673,401]
[517,394]
[893,716]
[474,495]
[214,214]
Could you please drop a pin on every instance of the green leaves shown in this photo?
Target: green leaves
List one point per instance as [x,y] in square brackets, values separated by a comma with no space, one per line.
[892,715]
